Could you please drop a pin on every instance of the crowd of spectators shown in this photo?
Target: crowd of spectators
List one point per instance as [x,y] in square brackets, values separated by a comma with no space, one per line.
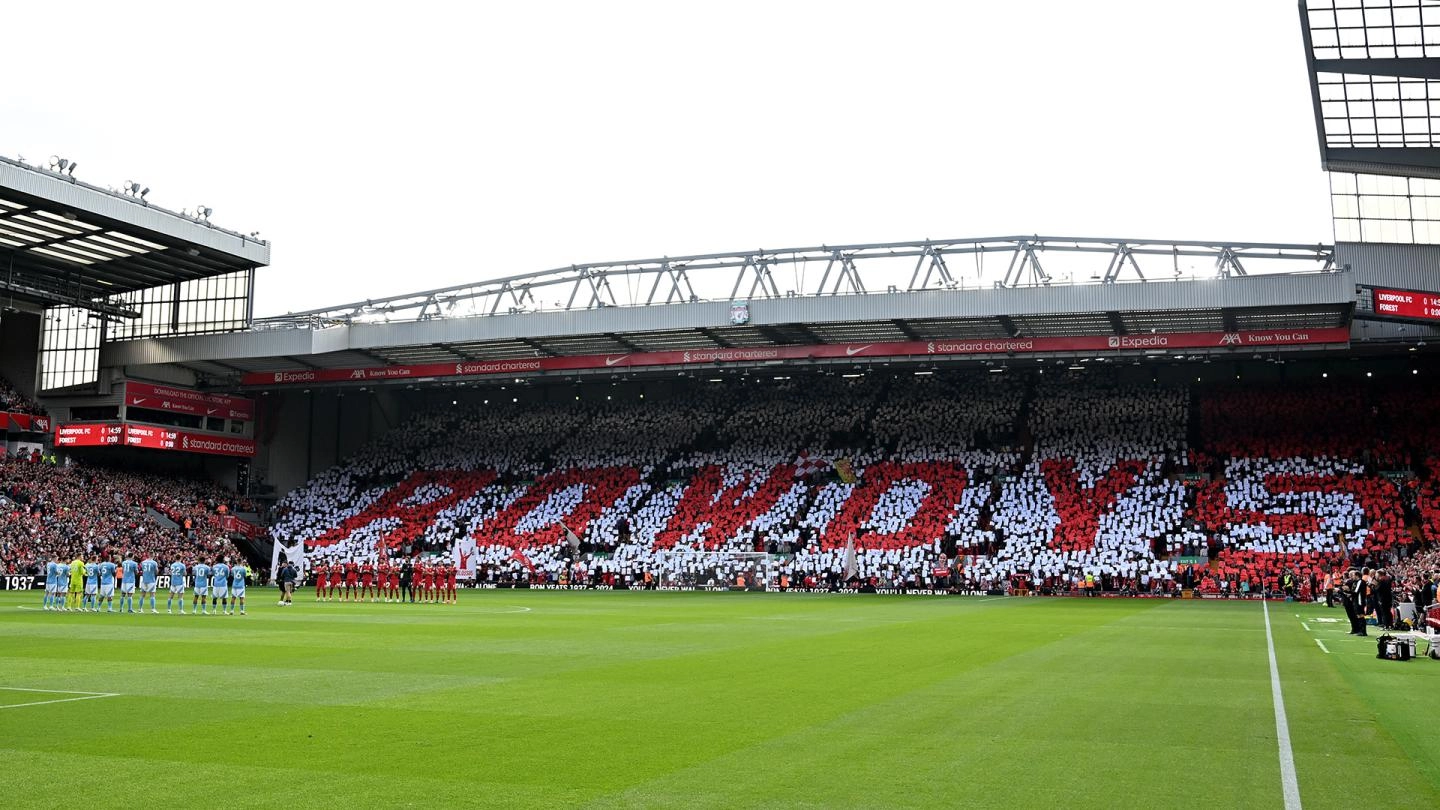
[1414,572]
[1087,509]
[12,401]
[1060,483]
[49,511]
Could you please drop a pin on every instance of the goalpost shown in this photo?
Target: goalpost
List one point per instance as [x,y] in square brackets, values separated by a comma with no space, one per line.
[717,570]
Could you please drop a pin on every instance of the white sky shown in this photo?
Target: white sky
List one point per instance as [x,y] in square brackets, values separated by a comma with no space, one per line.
[385,148]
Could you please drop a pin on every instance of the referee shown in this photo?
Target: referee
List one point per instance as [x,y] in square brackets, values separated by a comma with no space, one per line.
[407,570]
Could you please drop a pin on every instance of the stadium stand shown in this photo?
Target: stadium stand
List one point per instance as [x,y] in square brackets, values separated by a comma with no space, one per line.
[13,401]
[58,511]
[1053,484]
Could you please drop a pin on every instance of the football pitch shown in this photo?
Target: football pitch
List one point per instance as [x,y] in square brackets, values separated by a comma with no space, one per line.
[619,699]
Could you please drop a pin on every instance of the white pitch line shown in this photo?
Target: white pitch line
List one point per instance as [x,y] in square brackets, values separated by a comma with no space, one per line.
[52,691]
[84,696]
[1289,785]
[1306,626]
[1322,646]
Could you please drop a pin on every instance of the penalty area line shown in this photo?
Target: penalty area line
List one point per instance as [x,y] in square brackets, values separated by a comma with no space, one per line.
[1290,787]
[1322,646]
[82,696]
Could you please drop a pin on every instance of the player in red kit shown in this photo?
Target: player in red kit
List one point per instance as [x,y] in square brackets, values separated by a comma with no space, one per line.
[450,576]
[352,579]
[367,580]
[395,582]
[321,572]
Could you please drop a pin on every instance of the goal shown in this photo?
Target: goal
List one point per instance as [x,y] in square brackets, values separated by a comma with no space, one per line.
[715,570]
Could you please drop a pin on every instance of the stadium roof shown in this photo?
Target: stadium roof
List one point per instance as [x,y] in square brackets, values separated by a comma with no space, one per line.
[1314,301]
[1374,70]
[825,271]
[66,242]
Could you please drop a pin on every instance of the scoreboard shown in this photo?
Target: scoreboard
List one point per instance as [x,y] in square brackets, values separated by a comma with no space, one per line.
[1407,304]
[125,434]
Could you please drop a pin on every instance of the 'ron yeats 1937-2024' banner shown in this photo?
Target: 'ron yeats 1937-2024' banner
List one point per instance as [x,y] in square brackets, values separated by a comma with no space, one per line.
[1254,339]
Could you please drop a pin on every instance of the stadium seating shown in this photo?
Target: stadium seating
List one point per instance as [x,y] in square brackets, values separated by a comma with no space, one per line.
[51,511]
[1056,483]
[12,401]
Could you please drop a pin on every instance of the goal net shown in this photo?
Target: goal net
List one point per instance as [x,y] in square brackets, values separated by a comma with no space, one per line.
[715,570]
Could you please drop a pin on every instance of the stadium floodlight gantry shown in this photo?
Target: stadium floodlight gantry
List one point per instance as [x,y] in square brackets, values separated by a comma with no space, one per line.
[101,265]
[70,243]
[1375,86]
[829,270]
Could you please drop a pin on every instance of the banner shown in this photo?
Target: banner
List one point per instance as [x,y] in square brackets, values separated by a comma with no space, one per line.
[1254,339]
[14,582]
[184,400]
[81,434]
[464,556]
[235,525]
[24,422]
[295,554]
[158,438]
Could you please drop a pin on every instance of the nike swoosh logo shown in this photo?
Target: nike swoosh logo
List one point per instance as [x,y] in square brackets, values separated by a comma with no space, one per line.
[136,401]
[610,361]
[851,351]
[209,411]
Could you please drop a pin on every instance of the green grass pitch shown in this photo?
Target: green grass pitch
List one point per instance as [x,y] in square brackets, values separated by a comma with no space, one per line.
[616,699]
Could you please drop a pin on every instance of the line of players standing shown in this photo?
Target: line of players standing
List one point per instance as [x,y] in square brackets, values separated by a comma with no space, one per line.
[221,583]
[357,580]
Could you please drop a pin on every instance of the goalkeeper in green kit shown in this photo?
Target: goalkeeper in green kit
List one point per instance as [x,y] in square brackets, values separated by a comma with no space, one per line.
[77,584]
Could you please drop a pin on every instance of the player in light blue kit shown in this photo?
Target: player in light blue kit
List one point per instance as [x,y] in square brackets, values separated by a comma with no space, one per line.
[50,584]
[149,571]
[219,586]
[62,585]
[107,586]
[201,573]
[128,569]
[177,586]
[92,587]
[238,572]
